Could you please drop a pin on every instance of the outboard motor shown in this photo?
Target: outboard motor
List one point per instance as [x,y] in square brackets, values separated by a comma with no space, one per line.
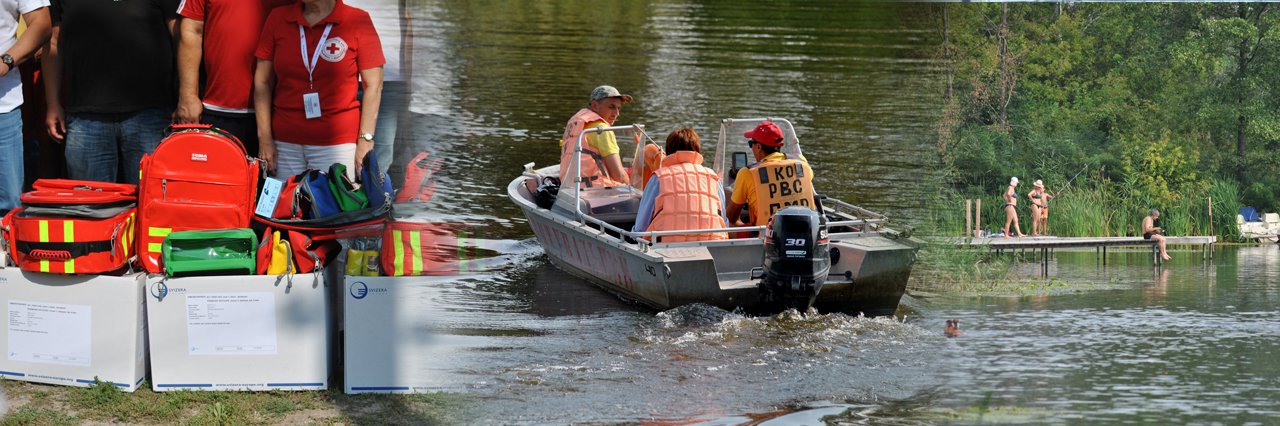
[796,259]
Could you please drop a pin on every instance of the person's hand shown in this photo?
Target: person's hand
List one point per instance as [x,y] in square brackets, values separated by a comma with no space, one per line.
[55,121]
[362,148]
[189,110]
[7,69]
[267,152]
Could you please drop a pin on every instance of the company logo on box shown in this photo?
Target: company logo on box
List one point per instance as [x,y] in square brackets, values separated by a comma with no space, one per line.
[360,290]
[160,290]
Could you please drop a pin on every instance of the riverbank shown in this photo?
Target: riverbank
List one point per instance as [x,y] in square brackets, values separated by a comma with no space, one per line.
[38,404]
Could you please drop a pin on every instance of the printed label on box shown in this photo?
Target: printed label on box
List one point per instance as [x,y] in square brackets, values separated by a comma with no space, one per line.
[231,324]
[50,333]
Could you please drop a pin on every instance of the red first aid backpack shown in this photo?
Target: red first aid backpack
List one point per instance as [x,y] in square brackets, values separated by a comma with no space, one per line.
[72,227]
[198,178]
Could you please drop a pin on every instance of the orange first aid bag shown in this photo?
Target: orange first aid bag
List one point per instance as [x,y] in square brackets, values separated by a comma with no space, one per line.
[72,227]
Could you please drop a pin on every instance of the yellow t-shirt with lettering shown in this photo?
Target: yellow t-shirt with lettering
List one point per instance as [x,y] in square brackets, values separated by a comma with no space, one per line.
[744,187]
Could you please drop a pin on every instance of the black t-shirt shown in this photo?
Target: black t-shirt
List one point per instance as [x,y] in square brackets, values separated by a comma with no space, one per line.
[117,56]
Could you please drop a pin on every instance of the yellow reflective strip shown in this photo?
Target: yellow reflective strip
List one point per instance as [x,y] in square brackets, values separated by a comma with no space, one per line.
[159,232]
[153,247]
[126,240]
[44,238]
[398,262]
[415,244]
[69,235]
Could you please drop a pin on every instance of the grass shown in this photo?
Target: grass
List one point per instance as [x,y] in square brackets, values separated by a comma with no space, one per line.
[38,404]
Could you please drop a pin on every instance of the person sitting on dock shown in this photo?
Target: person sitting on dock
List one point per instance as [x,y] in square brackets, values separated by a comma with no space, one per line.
[1152,232]
[682,194]
[1011,209]
[1039,208]
[774,182]
[601,162]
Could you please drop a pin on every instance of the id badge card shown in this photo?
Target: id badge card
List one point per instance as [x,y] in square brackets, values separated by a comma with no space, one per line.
[311,102]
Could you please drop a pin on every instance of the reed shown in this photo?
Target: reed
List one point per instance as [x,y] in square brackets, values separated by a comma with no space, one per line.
[1101,208]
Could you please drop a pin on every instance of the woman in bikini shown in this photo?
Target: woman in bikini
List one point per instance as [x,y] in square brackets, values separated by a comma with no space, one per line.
[1011,208]
[1039,208]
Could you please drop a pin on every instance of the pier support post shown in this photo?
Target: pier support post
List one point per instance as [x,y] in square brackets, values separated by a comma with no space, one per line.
[1044,262]
[969,229]
[977,214]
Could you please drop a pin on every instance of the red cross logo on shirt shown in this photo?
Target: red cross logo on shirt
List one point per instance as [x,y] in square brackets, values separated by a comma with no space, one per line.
[334,49]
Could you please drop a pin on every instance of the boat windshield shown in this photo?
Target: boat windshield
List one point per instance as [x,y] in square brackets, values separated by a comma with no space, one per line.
[732,152]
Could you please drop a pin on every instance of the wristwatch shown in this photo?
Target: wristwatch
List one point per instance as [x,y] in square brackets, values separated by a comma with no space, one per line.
[8,60]
[367,136]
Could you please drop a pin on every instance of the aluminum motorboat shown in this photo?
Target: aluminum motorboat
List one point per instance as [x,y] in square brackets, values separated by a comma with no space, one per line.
[850,261]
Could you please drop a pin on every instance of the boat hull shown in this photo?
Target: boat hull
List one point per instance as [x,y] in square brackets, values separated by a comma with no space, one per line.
[869,276]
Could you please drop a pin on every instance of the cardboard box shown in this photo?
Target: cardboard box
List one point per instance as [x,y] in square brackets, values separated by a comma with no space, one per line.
[70,329]
[237,333]
[390,344]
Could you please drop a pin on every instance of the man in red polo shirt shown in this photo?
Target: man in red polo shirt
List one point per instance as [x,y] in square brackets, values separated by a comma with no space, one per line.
[309,116]
[222,33]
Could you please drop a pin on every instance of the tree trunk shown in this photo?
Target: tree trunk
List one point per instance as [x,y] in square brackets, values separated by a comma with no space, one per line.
[1242,71]
[1003,60]
[946,46]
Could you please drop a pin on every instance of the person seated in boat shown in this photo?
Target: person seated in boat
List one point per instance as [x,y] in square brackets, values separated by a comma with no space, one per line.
[682,194]
[1152,232]
[601,162]
[773,182]
[1011,209]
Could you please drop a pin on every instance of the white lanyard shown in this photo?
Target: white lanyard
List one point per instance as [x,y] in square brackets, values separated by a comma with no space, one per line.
[310,63]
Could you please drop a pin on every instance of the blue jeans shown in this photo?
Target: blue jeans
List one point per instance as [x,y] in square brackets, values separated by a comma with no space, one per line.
[108,147]
[11,159]
[395,101]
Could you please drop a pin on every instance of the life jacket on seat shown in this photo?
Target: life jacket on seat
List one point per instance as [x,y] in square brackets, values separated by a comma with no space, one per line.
[653,157]
[780,184]
[593,170]
[687,199]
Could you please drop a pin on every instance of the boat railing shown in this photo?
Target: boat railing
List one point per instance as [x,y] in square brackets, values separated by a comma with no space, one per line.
[841,206]
[645,240]
[859,216]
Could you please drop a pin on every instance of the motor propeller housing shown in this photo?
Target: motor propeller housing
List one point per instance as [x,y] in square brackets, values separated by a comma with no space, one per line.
[796,259]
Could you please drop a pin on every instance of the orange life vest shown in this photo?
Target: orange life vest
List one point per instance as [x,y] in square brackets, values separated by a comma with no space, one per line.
[593,170]
[688,198]
[780,184]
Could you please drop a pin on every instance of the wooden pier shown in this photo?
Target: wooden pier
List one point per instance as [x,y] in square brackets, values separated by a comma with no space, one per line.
[1100,244]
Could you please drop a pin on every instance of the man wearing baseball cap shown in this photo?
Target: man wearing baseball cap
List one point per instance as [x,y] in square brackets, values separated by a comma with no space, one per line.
[774,182]
[601,164]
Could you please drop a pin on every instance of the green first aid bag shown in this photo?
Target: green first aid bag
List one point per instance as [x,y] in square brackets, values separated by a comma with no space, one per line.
[344,190]
[229,251]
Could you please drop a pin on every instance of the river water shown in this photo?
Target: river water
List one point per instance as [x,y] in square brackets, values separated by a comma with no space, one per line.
[493,85]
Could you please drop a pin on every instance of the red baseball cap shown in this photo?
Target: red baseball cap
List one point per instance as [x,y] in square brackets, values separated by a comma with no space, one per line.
[766,133]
